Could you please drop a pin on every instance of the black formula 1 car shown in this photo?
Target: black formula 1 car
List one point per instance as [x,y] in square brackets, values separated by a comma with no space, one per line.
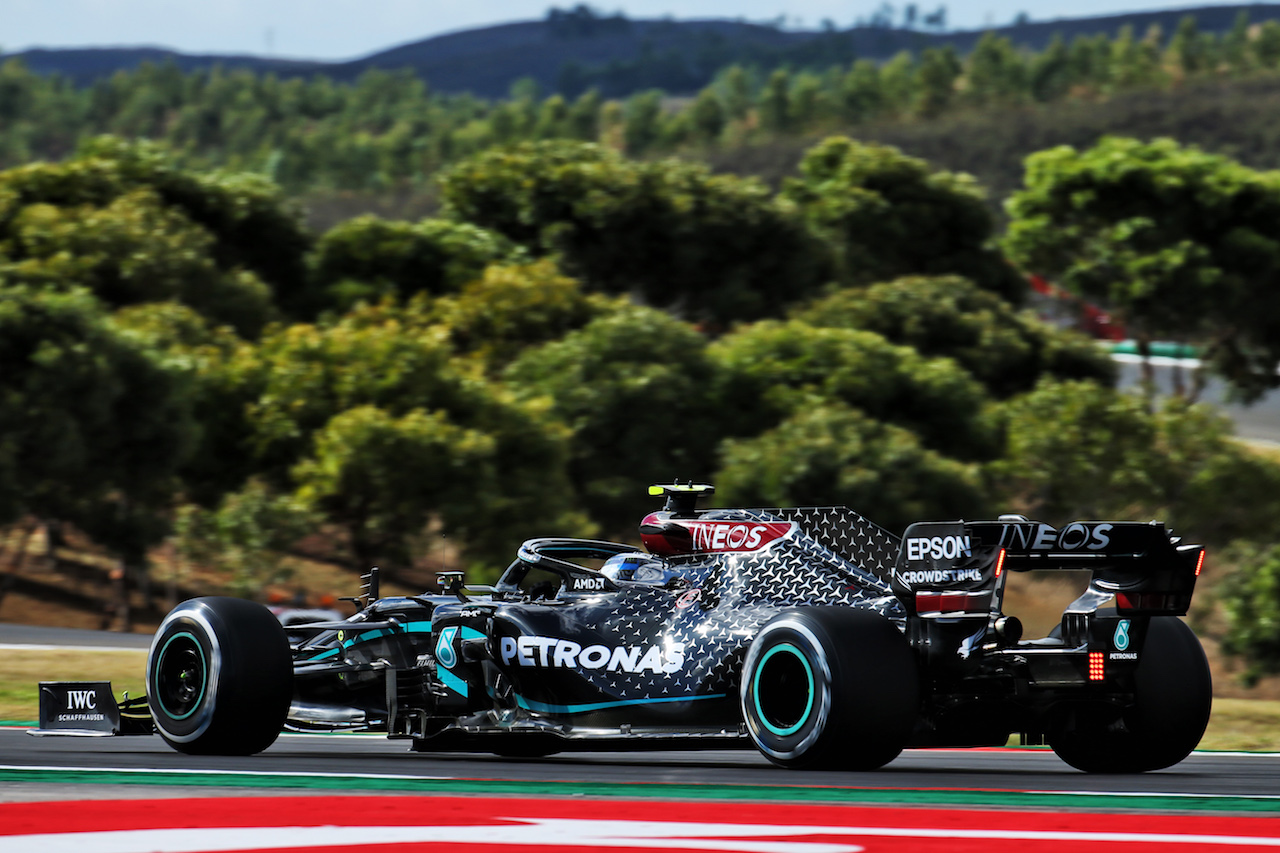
[811,634]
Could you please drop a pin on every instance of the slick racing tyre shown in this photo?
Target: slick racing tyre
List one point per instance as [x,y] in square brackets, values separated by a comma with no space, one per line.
[830,688]
[219,677]
[1173,692]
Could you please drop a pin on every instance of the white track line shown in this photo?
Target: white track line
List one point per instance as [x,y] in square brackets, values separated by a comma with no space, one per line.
[577,833]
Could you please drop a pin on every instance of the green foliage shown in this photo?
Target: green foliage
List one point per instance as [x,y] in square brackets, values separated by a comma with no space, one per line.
[1211,485]
[1078,450]
[246,536]
[1251,599]
[382,477]
[121,219]
[715,247]
[836,455]
[389,131]
[888,215]
[996,74]
[635,388]
[339,402]
[512,308]
[131,251]
[1180,243]
[93,427]
[312,373]
[770,371]
[221,376]
[367,258]
[948,316]
[936,81]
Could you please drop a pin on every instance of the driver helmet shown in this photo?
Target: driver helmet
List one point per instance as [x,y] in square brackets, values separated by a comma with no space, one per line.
[638,567]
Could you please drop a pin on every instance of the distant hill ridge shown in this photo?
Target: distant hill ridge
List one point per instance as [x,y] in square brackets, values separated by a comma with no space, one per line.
[679,56]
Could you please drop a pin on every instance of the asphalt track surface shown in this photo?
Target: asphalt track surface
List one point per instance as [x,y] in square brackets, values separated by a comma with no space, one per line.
[314,756]
[1259,422]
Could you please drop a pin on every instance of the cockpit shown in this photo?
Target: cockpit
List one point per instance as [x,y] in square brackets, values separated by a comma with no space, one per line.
[564,569]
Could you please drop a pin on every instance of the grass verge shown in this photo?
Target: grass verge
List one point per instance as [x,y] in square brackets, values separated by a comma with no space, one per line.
[22,671]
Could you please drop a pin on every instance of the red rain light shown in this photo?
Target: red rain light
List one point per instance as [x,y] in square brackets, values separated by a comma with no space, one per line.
[1200,562]
[928,602]
[1095,666]
[1000,563]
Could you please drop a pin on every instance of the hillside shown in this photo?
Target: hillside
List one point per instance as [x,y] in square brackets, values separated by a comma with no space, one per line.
[619,56]
[1238,118]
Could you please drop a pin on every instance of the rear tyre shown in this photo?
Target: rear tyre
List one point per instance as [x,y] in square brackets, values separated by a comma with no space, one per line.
[219,677]
[830,688]
[1173,695]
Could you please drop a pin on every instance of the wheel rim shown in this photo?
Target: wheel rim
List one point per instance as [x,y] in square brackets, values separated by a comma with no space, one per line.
[181,675]
[783,689]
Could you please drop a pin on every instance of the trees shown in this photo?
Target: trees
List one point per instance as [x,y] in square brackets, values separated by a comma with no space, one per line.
[636,390]
[996,73]
[247,535]
[837,455]
[381,477]
[93,426]
[511,308]
[312,373]
[1251,598]
[361,416]
[770,370]
[936,77]
[713,247]
[121,219]
[949,316]
[132,250]
[368,258]
[220,375]
[1079,450]
[888,215]
[1181,244]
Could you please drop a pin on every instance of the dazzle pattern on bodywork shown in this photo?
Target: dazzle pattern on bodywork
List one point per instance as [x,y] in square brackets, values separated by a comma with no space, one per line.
[858,540]
[736,594]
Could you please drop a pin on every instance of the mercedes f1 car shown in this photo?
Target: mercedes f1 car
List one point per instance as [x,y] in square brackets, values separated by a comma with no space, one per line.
[812,635]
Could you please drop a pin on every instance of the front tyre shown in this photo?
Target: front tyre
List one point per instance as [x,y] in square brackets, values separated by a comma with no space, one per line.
[1173,694]
[830,687]
[219,677]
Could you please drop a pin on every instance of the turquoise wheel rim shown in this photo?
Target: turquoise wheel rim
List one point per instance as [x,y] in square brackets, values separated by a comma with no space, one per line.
[181,673]
[778,723]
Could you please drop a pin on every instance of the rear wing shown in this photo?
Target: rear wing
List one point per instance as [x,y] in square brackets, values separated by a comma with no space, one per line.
[1147,569]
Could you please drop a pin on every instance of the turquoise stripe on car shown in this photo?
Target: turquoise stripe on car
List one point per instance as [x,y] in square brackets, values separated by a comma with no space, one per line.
[453,682]
[420,627]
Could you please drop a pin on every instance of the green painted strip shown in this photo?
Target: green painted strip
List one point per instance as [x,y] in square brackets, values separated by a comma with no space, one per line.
[1167,349]
[657,791]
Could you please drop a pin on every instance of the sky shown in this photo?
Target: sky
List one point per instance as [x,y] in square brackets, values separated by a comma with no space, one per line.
[347,29]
